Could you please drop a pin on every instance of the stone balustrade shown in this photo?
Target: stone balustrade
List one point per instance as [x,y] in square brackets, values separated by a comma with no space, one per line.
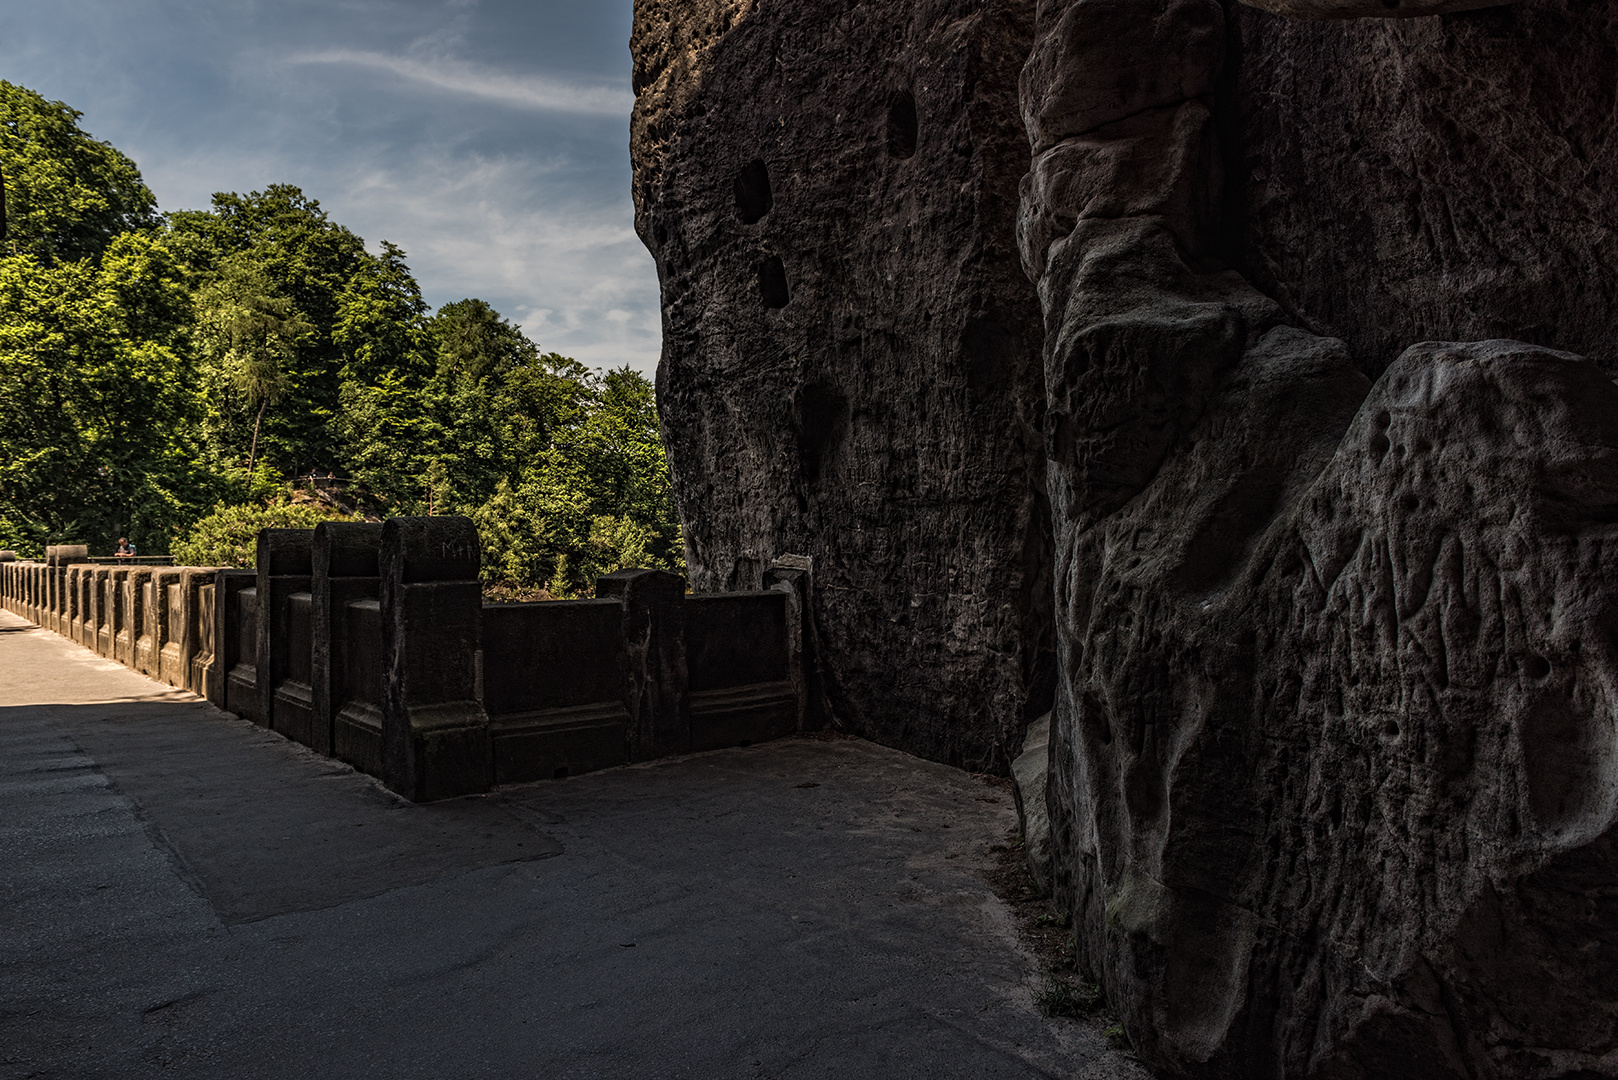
[371,643]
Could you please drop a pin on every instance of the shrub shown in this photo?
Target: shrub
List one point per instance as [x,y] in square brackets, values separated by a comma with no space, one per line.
[229,535]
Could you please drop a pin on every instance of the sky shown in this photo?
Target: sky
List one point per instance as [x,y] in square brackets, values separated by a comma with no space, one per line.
[488,138]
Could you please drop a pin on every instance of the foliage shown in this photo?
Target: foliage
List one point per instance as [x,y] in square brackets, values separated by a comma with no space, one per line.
[298,253]
[229,535]
[1063,997]
[251,335]
[151,368]
[97,415]
[67,195]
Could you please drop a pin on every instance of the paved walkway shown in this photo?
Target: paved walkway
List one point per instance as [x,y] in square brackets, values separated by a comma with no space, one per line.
[184,894]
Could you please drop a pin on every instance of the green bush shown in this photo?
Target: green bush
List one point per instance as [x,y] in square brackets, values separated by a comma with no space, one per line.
[229,535]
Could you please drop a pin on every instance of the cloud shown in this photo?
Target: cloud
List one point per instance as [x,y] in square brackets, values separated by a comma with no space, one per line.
[533,92]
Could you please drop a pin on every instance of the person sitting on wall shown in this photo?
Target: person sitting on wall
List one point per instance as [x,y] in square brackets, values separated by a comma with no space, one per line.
[126,550]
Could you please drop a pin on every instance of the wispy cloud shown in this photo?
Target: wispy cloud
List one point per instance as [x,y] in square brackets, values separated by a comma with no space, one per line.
[533,92]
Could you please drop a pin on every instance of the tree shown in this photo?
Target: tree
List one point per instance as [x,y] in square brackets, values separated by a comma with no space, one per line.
[229,535]
[309,260]
[68,195]
[98,406]
[252,335]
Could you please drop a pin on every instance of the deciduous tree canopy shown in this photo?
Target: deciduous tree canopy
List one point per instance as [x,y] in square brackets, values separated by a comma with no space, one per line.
[161,376]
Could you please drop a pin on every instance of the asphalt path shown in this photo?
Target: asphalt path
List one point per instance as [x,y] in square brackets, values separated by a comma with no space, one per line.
[183,894]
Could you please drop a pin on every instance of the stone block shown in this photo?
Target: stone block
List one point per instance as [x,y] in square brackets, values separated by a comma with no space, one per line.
[357,722]
[285,575]
[133,605]
[739,682]
[112,611]
[347,567]
[235,646]
[435,732]
[553,686]
[654,660]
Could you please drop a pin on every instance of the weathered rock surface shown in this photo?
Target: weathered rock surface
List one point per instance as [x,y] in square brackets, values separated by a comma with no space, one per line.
[1432,179]
[1370,9]
[1332,785]
[1332,791]
[850,348]
[1030,773]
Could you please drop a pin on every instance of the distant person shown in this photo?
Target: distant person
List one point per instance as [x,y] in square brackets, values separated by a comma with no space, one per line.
[125,548]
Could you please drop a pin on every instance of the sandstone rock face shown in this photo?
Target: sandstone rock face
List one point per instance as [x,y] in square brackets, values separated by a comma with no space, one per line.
[851,350]
[1323,528]
[1432,179]
[1332,791]
[1370,9]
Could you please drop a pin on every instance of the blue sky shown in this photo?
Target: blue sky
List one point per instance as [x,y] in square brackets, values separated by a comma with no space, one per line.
[488,138]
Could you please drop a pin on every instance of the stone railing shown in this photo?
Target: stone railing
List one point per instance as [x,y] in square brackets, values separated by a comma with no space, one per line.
[371,643]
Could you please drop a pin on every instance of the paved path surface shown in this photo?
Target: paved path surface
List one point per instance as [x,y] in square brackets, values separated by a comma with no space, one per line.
[184,894]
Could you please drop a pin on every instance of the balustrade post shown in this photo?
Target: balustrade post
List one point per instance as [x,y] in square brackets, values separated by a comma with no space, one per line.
[654,661]
[285,572]
[435,732]
[347,567]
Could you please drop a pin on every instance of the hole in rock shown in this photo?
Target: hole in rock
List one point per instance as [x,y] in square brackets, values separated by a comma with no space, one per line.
[822,411]
[903,126]
[772,283]
[1536,666]
[753,196]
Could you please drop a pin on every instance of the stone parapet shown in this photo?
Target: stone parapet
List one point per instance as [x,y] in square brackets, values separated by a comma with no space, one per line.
[371,643]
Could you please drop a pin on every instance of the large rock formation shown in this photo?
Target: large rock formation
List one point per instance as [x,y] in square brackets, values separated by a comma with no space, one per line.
[1333,757]
[850,349]
[1333,791]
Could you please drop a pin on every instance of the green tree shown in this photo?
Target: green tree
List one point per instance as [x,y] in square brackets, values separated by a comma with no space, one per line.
[67,195]
[251,335]
[309,260]
[98,409]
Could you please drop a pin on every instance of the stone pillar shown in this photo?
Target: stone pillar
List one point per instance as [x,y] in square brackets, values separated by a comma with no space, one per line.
[435,733]
[97,619]
[233,675]
[654,660]
[65,555]
[133,616]
[347,567]
[202,612]
[285,571]
[793,575]
[112,588]
[72,603]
